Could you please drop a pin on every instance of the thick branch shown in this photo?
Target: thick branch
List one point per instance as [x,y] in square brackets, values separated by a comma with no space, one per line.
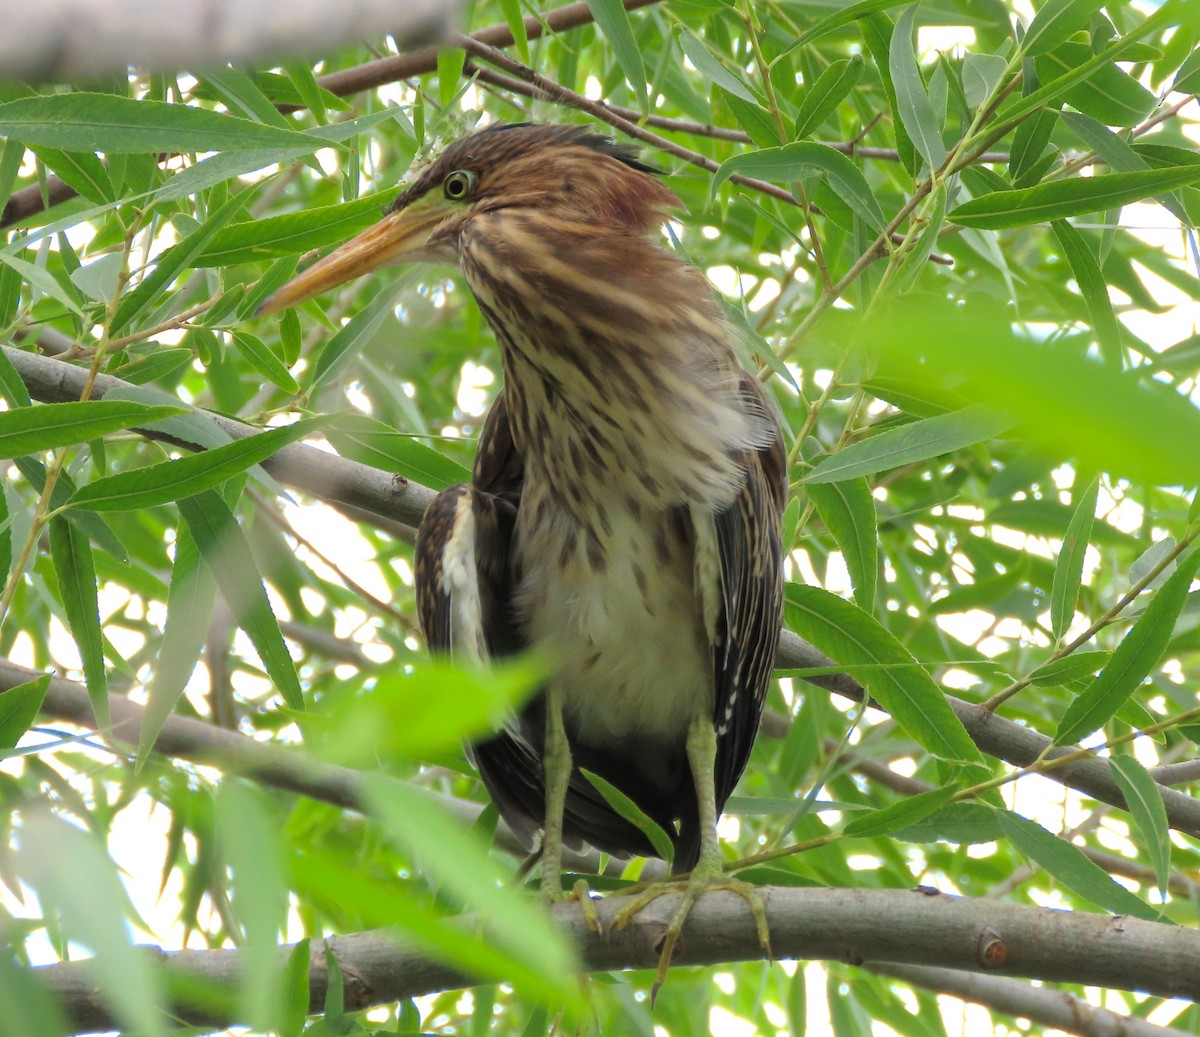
[58,40]
[347,483]
[919,927]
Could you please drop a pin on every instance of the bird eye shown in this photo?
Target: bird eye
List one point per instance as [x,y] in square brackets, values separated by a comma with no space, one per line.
[459,185]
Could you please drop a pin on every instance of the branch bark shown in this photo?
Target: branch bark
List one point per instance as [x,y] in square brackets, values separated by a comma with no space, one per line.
[349,485]
[1051,1008]
[858,926]
[78,39]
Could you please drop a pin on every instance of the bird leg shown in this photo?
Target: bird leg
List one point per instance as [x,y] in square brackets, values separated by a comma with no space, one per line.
[556,773]
[709,873]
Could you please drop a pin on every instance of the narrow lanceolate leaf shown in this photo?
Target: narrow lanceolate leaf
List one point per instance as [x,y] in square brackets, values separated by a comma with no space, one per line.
[912,99]
[71,553]
[1067,863]
[6,539]
[885,667]
[1055,22]
[190,600]
[121,125]
[1143,797]
[712,69]
[613,20]
[848,509]
[260,357]
[1093,287]
[344,346]
[1109,93]
[821,99]
[900,814]
[634,814]
[930,437]
[1137,654]
[19,708]
[1074,197]
[227,553]
[186,476]
[1073,667]
[916,261]
[369,441]
[1068,571]
[801,160]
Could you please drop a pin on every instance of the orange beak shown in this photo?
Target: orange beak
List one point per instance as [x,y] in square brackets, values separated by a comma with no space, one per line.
[399,237]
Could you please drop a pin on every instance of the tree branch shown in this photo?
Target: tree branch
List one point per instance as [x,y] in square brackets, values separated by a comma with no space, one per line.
[923,927]
[348,484]
[1050,1008]
[59,40]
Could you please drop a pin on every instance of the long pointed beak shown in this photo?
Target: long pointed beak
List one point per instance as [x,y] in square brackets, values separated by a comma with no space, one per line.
[399,236]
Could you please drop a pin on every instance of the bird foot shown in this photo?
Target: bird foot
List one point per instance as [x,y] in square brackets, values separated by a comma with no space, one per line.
[552,893]
[701,881]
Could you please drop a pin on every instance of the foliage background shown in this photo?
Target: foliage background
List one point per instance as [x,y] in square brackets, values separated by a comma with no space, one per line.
[990,397]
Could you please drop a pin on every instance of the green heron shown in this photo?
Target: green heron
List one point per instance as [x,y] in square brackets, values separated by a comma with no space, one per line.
[624,511]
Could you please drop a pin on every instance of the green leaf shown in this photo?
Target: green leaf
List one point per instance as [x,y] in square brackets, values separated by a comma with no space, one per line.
[1108,94]
[511,9]
[1068,571]
[19,708]
[848,509]
[76,880]
[190,599]
[1066,400]
[120,125]
[354,334]
[72,555]
[264,360]
[981,74]
[964,823]
[371,442]
[404,713]
[31,430]
[918,259]
[450,62]
[820,100]
[1138,653]
[1055,22]
[173,262]
[708,66]
[634,814]
[248,827]
[800,160]
[1143,798]
[1074,197]
[186,476]
[227,553]
[902,814]
[912,99]
[458,862]
[6,538]
[613,20]
[81,170]
[918,441]
[1093,287]
[884,666]
[1069,668]
[1066,862]
[295,990]
[42,280]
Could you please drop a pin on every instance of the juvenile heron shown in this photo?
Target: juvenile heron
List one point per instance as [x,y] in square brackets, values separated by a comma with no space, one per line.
[624,511]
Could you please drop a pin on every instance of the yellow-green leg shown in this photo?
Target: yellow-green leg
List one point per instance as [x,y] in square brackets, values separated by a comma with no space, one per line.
[708,873]
[556,772]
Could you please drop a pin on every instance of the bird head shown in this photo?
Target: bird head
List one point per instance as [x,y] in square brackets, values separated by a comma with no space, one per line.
[564,176]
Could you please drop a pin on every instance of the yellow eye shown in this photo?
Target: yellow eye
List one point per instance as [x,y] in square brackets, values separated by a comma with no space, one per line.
[459,185]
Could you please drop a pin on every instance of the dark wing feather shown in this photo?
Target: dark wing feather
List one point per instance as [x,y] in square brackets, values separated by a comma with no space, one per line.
[480,518]
[752,599]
